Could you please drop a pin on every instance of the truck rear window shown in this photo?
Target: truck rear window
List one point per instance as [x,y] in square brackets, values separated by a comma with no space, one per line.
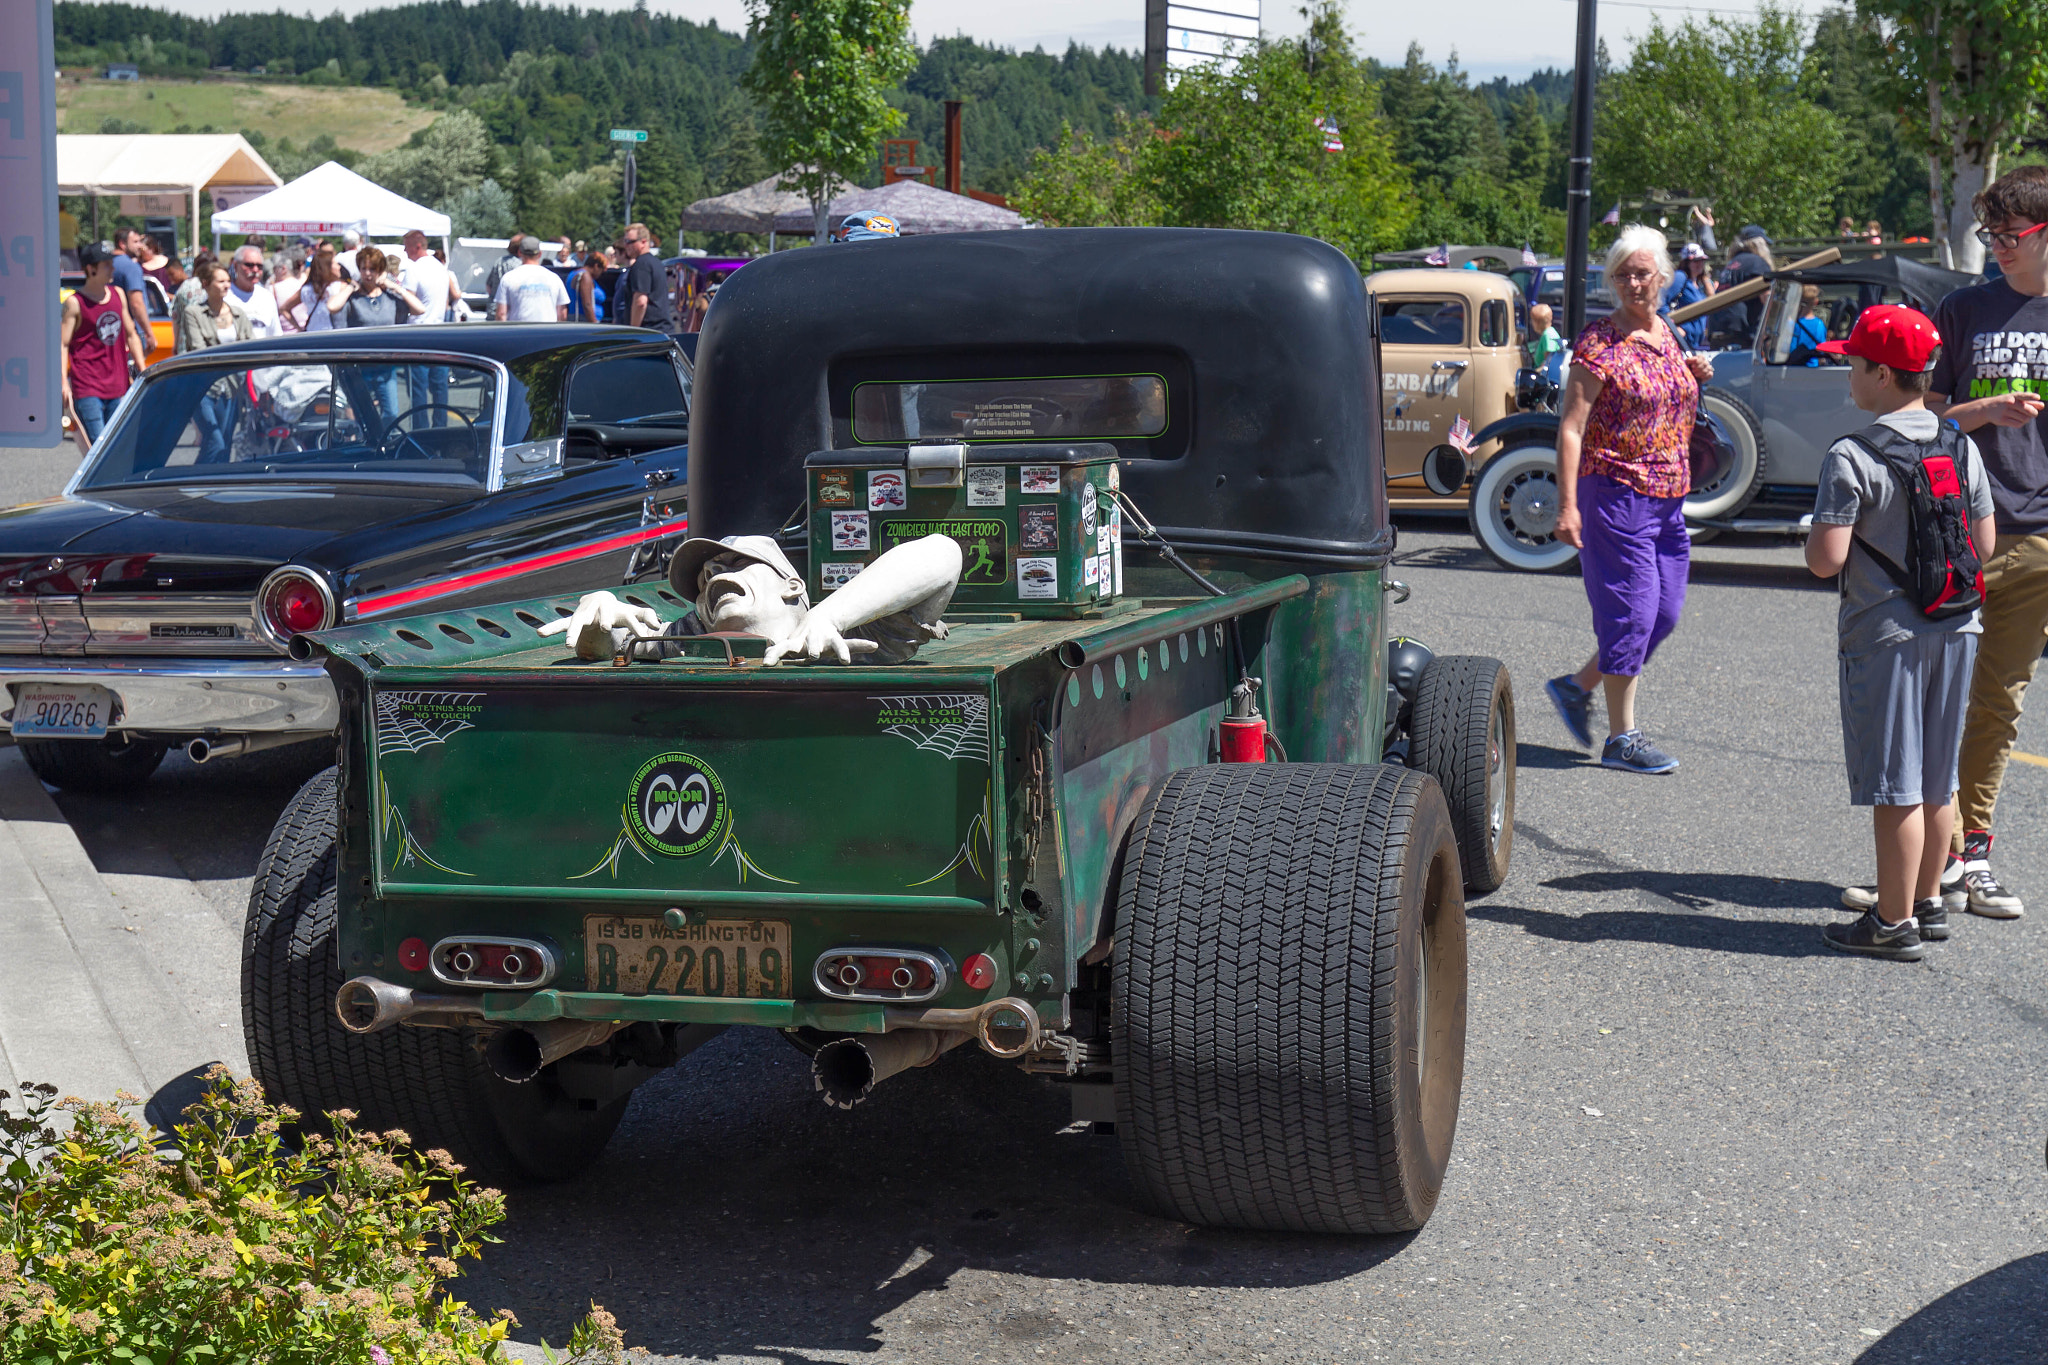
[1069,408]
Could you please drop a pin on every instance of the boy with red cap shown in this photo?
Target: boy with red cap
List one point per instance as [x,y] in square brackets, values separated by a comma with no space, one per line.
[1904,674]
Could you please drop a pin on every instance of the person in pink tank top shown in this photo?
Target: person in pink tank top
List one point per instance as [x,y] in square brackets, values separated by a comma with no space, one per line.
[97,340]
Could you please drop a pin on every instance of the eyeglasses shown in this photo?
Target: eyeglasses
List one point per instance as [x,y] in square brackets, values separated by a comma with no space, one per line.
[1634,276]
[2006,241]
[248,265]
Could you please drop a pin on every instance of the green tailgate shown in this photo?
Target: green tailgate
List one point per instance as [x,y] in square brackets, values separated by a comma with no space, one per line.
[792,794]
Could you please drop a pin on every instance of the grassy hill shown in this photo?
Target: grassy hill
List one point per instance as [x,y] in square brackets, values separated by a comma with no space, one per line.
[361,118]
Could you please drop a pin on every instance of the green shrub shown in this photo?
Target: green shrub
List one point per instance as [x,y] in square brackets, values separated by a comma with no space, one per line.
[240,1243]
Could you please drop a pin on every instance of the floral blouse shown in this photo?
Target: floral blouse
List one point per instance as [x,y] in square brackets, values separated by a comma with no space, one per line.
[1640,429]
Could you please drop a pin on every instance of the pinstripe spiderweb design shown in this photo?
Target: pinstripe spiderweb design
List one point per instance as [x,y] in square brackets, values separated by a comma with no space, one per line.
[408,722]
[951,724]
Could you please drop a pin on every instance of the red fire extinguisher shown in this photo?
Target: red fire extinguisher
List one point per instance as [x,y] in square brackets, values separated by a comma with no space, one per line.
[1244,729]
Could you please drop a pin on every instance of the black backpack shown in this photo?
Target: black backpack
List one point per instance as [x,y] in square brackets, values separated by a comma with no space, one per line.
[1944,573]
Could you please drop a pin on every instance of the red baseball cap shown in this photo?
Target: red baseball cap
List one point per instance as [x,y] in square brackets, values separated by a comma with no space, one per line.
[1891,335]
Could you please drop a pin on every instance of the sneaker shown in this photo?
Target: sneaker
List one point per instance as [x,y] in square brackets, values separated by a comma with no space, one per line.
[1636,754]
[1574,707]
[1871,936]
[1932,917]
[1953,897]
[1985,896]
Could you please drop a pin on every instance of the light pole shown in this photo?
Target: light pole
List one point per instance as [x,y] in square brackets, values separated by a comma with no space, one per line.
[1578,201]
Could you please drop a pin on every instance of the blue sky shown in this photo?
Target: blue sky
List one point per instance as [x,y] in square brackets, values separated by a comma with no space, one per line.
[1492,37]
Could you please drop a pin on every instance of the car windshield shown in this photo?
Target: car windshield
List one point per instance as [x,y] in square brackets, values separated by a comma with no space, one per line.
[1422,322]
[341,419]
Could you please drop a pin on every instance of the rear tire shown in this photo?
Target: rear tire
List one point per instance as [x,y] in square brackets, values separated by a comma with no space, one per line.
[427,1081]
[1289,997]
[117,763]
[1462,733]
[1513,511]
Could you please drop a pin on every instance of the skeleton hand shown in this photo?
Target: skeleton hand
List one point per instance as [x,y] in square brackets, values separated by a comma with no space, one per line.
[599,614]
[817,637]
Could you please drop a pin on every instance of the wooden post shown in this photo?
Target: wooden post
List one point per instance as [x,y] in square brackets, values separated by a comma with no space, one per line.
[953,146]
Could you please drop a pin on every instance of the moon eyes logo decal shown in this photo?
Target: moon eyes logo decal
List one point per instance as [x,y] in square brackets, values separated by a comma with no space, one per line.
[677,805]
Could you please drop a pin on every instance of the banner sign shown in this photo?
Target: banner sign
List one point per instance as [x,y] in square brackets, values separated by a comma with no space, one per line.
[31,411]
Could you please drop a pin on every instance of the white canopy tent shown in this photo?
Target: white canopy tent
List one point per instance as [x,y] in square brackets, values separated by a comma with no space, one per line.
[329,199]
[157,163]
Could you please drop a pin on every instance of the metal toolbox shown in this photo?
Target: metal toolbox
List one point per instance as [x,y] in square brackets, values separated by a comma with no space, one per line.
[1039,529]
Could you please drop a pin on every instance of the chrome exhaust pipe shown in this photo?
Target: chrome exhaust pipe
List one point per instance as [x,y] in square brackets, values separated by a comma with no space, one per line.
[846,1070]
[520,1053]
[365,1004]
[205,748]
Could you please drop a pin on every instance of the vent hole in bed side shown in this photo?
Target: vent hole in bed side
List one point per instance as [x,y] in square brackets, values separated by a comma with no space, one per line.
[636,601]
[416,641]
[528,619]
[485,623]
[457,634]
[665,595]
[561,610]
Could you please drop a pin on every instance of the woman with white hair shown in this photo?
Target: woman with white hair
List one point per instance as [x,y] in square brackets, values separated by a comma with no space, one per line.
[1623,470]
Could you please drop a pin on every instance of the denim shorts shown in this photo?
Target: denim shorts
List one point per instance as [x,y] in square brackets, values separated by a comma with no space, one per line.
[1902,719]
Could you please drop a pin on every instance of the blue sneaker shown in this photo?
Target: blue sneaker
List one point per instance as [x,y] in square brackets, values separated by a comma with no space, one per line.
[1636,754]
[1574,705]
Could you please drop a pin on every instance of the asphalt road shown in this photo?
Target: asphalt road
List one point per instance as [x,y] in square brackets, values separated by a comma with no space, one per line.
[1688,1129]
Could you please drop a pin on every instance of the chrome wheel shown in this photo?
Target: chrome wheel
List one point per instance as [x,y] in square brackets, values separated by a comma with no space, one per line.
[1514,508]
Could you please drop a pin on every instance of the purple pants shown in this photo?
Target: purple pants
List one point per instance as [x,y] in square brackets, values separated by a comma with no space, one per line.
[1635,559]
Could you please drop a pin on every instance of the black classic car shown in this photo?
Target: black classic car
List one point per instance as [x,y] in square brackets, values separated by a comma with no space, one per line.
[248,493]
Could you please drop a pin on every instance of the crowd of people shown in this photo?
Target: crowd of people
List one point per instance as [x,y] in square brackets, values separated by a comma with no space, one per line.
[1934,516]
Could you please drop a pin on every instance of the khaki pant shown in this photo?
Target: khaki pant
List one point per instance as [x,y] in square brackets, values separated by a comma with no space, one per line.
[2015,624]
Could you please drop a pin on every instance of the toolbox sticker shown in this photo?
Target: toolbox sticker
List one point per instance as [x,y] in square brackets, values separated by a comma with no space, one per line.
[984,546]
[1087,515]
[1090,567]
[676,805]
[1102,536]
[837,573]
[985,486]
[1038,526]
[1115,481]
[1104,576]
[1038,577]
[835,489]
[849,530]
[885,490]
[1038,478]
[1116,546]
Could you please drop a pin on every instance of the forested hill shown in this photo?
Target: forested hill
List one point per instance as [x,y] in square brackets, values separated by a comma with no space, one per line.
[550,82]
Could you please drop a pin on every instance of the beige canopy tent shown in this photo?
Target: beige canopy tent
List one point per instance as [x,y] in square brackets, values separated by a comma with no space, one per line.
[753,209]
[158,163]
[918,209]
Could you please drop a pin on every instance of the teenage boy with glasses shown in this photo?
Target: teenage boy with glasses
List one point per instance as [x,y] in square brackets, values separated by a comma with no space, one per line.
[1990,381]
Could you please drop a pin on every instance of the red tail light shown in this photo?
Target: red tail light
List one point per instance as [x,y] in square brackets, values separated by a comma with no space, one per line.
[291,602]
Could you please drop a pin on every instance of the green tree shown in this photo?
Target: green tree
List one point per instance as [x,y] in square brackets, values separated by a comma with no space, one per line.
[442,160]
[1442,131]
[1529,139]
[821,72]
[1974,73]
[1884,170]
[1715,111]
[1086,181]
[482,211]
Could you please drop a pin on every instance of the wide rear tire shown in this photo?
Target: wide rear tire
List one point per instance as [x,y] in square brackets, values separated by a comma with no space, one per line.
[1289,997]
[117,763]
[427,1081]
[1513,511]
[1461,731]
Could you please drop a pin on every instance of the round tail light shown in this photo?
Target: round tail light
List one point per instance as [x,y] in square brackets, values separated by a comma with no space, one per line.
[292,602]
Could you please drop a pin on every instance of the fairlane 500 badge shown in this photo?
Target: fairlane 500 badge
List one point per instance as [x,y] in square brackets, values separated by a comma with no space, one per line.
[677,805]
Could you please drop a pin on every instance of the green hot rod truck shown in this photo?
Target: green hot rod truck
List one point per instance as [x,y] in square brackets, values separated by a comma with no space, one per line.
[1164,816]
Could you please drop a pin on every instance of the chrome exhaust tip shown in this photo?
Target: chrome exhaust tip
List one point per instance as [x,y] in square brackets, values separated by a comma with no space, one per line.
[367,1004]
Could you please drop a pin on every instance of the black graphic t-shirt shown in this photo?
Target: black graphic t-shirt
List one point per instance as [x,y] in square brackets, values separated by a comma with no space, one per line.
[1994,340]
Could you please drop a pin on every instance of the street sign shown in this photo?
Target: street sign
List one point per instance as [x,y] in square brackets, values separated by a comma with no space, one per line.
[31,410]
[629,135]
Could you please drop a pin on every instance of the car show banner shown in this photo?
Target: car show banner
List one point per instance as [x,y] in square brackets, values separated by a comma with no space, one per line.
[30,405]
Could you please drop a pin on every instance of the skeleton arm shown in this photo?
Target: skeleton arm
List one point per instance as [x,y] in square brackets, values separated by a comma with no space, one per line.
[601,625]
[917,577]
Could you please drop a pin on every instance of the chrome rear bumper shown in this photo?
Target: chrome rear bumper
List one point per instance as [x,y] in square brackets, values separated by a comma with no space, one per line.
[197,696]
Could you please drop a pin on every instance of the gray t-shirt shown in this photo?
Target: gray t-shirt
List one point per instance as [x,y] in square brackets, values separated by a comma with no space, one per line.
[1857,490]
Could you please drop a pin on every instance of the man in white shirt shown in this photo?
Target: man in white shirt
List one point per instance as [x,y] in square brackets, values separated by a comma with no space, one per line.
[427,278]
[532,292]
[351,243]
[249,281]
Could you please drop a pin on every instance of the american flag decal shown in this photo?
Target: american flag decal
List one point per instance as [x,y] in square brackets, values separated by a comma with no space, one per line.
[1460,435]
